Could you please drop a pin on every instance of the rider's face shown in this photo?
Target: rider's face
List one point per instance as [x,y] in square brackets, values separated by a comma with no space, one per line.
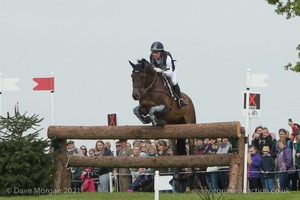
[156,54]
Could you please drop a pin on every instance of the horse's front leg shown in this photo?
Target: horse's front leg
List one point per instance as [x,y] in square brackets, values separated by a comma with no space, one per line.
[155,121]
[144,119]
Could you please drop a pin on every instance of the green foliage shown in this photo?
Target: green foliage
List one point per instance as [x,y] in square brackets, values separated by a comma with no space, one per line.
[291,8]
[296,67]
[25,165]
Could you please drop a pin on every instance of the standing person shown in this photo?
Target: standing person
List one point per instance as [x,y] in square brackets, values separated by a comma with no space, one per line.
[151,150]
[284,135]
[124,173]
[254,162]
[72,149]
[118,148]
[285,165]
[199,150]
[84,150]
[103,173]
[294,127]
[75,171]
[92,151]
[199,146]
[88,184]
[263,139]
[162,151]
[107,145]
[94,176]
[164,63]
[134,171]
[267,167]
[211,175]
[144,148]
[297,151]
[257,132]
[223,175]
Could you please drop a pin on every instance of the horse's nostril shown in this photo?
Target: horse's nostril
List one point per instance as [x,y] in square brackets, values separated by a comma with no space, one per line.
[136,96]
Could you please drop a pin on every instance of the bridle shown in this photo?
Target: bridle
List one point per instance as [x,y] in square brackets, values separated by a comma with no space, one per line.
[144,90]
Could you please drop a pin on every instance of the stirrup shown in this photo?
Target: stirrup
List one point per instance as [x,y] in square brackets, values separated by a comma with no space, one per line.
[182,103]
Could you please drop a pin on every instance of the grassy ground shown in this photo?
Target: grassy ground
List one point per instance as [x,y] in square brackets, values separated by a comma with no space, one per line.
[162,196]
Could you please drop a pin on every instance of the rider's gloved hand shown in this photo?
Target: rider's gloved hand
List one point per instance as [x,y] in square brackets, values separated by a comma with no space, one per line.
[157,69]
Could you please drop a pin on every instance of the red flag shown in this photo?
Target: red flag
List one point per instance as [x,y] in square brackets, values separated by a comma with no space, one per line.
[112,119]
[44,83]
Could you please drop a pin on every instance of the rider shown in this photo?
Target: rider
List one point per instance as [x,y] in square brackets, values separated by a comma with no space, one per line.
[164,63]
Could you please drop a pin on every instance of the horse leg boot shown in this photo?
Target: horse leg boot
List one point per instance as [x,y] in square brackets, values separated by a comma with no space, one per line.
[155,121]
[181,101]
[144,119]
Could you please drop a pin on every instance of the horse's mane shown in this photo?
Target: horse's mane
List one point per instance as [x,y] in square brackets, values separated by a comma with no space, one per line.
[143,61]
[147,66]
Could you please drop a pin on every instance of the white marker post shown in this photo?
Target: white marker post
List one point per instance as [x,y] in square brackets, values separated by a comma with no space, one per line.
[110,182]
[52,99]
[246,130]
[161,183]
[253,80]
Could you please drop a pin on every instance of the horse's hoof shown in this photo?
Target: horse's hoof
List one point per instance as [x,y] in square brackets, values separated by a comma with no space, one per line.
[147,119]
[160,123]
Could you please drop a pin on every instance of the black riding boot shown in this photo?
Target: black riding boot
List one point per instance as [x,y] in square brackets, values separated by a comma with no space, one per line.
[181,101]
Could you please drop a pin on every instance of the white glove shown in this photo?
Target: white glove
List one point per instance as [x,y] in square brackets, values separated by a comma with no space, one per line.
[157,69]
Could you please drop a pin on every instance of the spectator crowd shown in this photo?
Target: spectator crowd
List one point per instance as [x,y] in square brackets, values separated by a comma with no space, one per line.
[273,164]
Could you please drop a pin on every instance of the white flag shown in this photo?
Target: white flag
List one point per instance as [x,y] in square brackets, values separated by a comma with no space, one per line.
[257,80]
[9,84]
[162,182]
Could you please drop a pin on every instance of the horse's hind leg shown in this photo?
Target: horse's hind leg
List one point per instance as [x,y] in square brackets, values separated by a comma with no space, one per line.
[180,148]
[191,146]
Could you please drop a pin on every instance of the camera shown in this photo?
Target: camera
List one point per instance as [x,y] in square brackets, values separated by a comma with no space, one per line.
[261,135]
[290,120]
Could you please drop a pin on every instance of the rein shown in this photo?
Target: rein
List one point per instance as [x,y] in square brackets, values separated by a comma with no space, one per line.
[144,90]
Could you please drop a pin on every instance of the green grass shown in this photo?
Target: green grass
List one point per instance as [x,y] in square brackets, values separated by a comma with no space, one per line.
[150,196]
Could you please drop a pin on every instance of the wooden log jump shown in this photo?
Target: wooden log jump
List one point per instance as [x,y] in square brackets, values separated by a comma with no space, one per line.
[184,131]
[178,131]
[152,161]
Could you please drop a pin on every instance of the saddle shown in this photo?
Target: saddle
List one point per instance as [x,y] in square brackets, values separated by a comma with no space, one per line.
[167,83]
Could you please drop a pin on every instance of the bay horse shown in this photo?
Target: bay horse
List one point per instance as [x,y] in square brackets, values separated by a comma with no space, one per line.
[156,101]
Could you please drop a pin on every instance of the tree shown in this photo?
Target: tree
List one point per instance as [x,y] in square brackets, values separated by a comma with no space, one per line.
[25,165]
[290,8]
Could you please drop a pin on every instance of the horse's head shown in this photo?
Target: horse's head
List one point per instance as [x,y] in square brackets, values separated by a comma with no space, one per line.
[142,76]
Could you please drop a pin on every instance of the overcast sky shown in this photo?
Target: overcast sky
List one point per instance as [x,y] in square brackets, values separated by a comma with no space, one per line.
[87,44]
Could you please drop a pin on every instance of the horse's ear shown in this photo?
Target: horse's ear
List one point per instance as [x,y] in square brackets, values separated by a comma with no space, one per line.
[133,65]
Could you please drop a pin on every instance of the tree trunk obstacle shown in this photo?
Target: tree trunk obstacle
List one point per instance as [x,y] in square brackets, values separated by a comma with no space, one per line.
[61,177]
[152,162]
[176,131]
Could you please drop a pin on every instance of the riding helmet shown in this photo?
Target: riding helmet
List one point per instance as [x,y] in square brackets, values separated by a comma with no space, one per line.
[157,46]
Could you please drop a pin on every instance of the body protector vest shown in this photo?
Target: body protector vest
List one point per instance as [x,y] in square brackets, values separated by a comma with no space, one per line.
[163,62]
